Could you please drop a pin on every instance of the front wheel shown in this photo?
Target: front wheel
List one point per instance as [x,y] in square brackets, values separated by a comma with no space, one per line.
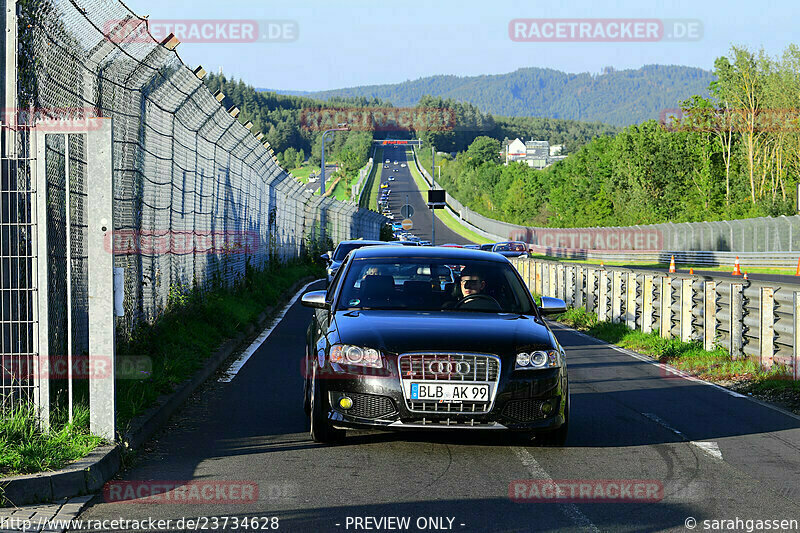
[321,429]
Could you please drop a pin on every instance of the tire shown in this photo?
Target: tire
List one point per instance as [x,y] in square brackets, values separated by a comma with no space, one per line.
[321,429]
[306,386]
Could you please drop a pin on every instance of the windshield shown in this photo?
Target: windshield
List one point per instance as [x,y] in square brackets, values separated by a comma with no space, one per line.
[509,247]
[425,284]
[345,248]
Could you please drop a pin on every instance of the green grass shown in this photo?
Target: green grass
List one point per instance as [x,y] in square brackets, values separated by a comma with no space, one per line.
[191,330]
[447,219]
[304,171]
[340,191]
[373,184]
[681,267]
[24,449]
[716,365]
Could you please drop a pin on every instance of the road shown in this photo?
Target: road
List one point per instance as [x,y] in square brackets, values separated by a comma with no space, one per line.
[404,185]
[717,455]
[314,186]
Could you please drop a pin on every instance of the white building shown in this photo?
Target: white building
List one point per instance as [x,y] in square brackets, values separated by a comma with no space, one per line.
[537,154]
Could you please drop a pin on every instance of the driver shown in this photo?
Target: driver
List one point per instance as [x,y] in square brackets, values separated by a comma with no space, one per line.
[472,281]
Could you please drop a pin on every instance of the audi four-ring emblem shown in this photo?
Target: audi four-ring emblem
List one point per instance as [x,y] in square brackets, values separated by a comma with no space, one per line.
[448,368]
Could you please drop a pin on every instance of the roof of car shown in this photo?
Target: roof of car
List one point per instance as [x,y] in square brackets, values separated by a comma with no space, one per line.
[365,242]
[427,251]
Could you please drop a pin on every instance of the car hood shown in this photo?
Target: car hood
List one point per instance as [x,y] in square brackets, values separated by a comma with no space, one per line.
[412,331]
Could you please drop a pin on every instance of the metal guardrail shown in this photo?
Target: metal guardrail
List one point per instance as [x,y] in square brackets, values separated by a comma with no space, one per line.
[697,257]
[750,319]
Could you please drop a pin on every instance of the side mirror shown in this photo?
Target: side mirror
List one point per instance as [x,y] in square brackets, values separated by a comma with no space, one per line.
[552,306]
[325,257]
[315,299]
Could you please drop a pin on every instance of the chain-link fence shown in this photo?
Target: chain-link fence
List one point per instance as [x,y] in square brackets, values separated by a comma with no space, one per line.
[197,197]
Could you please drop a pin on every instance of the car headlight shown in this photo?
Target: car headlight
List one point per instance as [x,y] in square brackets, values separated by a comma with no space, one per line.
[346,354]
[538,359]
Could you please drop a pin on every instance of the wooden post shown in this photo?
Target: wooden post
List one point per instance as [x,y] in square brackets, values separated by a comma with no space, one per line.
[736,315]
[616,296]
[647,303]
[630,303]
[686,309]
[666,307]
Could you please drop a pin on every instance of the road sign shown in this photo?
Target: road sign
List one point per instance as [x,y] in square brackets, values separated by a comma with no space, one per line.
[407,224]
[436,199]
[406,211]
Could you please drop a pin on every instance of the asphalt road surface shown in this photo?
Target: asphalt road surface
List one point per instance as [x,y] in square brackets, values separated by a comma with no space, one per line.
[314,186]
[404,185]
[717,455]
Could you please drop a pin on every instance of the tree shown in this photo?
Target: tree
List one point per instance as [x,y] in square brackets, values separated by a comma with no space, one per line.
[301,158]
[484,150]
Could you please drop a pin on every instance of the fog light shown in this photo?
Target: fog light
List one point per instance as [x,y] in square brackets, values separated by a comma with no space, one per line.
[345,402]
[547,407]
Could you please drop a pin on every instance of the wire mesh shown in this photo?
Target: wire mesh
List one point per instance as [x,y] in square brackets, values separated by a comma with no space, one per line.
[197,198]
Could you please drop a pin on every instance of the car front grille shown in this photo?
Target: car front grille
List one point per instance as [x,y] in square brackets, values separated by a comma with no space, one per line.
[483,368]
[463,368]
[524,410]
[365,405]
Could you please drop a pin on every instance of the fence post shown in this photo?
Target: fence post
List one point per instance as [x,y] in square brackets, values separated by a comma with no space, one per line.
[561,272]
[647,304]
[591,298]
[102,350]
[709,314]
[538,273]
[796,343]
[602,310]
[579,275]
[630,305]
[736,314]
[767,329]
[686,309]
[666,307]
[616,296]
[552,289]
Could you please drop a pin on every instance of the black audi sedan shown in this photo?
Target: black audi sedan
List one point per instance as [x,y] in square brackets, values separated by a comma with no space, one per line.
[433,338]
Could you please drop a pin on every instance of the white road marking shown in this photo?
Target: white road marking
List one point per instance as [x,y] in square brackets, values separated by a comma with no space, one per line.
[537,472]
[658,420]
[240,362]
[711,448]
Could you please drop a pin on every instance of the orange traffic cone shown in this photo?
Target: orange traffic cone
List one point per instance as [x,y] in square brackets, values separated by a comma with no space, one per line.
[672,264]
[691,271]
[797,272]
[737,271]
[745,276]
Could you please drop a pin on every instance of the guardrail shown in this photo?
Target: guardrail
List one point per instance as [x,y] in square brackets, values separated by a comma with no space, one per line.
[363,174]
[697,257]
[757,320]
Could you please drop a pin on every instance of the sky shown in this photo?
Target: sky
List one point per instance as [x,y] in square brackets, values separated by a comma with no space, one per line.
[327,45]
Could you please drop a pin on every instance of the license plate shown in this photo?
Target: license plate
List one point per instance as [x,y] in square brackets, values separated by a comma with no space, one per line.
[450,392]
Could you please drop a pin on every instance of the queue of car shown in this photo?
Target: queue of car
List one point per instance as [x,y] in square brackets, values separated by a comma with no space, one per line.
[381,351]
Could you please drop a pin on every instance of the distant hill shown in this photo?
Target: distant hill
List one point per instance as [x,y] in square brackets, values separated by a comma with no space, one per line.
[617,97]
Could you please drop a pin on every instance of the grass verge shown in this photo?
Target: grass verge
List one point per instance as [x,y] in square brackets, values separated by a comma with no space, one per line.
[742,375]
[24,449]
[447,219]
[373,184]
[193,328]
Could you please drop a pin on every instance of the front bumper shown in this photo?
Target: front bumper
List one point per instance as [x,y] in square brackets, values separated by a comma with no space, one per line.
[379,402]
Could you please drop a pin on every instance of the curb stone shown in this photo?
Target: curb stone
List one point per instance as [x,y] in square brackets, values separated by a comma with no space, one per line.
[89,474]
